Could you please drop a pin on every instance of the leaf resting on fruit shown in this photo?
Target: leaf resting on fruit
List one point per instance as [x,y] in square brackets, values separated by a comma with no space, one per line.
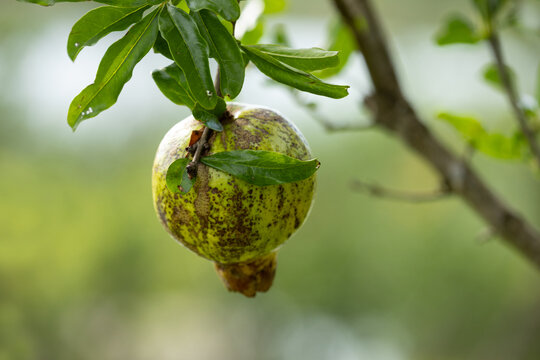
[262,168]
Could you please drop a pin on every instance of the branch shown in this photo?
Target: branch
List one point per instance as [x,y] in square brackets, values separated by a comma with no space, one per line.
[510,89]
[324,122]
[393,112]
[398,195]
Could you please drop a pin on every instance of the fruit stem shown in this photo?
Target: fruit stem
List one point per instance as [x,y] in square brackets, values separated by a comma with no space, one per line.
[192,166]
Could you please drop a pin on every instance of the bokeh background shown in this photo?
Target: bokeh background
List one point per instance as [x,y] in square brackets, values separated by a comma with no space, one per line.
[87,272]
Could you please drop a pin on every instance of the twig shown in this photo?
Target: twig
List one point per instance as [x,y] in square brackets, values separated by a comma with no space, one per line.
[328,125]
[398,195]
[510,89]
[393,112]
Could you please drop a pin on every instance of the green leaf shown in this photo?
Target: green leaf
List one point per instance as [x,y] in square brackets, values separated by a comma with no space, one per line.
[274,6]
[170,81]
[469,128]
[177,178]
[457,30]
[190,51]
[115,70]
[303,59]
[173,84]
[161,47]
[228,9]
[492,144]
[225,49]
[98,23]
[253,35]
[500,146]
[288,75]
[210,118]
[341,40]
[128,3]
[492,76]
[262,168]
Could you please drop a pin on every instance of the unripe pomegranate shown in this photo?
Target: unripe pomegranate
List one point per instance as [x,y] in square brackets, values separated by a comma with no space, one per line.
[237,225]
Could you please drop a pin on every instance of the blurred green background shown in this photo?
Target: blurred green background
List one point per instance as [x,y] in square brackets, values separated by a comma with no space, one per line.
[87,272]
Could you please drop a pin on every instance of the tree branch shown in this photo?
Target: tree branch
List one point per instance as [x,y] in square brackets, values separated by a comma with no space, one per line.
[393,112]
[510,89]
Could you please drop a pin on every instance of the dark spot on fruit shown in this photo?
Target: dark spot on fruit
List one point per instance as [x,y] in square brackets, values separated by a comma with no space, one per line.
[281,196]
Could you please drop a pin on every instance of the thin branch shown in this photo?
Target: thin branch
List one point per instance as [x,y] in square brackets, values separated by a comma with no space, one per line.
[328,125]
[510,89]
[393,112]
[331,127]
[398,195]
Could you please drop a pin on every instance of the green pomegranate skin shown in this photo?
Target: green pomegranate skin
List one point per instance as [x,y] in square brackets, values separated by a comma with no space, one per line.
[223,218]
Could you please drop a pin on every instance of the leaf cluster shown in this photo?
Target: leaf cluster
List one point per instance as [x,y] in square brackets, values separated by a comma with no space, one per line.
[492,16]
[190,33]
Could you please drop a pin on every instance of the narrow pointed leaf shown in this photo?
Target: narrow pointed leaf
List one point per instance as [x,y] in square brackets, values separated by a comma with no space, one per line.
[457,30]
[493,144]
[228,9]
[161,47]
[169,81]
[115,70]
[190,51]
[128,3]
[262,168]
[223,48]
[211,118]
[303,59]
[98,23]
[177,178]
[172,83]
[288,75]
